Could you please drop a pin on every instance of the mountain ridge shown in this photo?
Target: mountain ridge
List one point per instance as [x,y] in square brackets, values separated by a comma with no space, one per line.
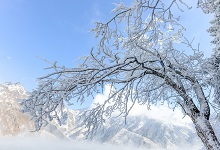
[141,131]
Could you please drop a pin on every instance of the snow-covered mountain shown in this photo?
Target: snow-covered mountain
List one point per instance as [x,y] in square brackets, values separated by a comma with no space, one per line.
[12,121]
[140,130]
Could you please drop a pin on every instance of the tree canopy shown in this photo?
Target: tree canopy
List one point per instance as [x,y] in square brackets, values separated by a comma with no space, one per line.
[139,56]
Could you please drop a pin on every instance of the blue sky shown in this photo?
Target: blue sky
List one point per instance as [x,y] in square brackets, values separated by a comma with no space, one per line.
[58,30]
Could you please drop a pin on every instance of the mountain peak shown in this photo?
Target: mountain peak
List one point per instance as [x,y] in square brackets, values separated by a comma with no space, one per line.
[11,92]
[141,130]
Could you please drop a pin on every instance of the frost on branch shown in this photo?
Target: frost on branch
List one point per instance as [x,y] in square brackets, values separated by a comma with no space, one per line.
[141,55]
[211,66]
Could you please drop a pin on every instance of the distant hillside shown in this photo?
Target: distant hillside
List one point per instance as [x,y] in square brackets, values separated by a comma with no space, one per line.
[141,130]
[12,121]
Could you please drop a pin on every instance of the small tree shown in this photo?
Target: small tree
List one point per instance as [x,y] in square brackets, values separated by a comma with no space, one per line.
[139,56]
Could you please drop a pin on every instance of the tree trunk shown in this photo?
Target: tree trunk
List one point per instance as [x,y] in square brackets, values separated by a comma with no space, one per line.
[205,132]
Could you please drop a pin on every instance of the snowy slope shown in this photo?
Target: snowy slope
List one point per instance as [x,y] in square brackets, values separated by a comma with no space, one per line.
[140,130]
[15,123]
[12,121]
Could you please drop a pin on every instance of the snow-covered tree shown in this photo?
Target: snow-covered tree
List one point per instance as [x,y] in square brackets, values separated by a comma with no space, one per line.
[139,56]
[211,66]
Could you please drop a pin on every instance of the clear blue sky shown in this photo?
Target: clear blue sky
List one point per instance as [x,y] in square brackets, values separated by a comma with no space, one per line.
[58,30]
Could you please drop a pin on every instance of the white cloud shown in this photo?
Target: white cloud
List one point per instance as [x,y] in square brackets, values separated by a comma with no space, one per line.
[160,112]
[100,98]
